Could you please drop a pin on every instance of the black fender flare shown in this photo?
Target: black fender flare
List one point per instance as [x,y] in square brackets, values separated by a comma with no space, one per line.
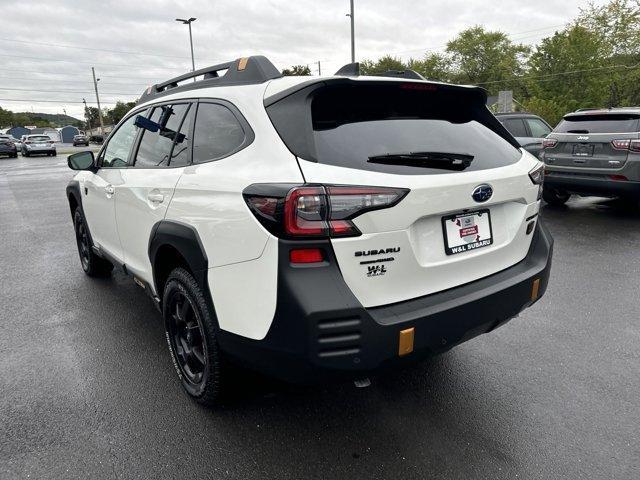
[186,241]
[73,190]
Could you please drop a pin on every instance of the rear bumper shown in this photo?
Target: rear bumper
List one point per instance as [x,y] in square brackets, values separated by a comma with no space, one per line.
[598,185]
[321,331]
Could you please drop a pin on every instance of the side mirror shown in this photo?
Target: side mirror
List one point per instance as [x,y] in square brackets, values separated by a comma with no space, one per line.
[81,161]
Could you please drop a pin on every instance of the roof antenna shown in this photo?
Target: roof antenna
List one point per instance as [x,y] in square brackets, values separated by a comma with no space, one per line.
[349,70]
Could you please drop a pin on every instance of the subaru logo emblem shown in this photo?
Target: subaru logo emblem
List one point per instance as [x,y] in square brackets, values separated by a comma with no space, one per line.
[482,193]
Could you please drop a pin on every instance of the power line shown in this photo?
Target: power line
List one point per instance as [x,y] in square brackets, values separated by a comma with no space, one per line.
[90,49]
[22,57]
[66,91]
[47,72]
[559,74]
[31,100]
[49,80]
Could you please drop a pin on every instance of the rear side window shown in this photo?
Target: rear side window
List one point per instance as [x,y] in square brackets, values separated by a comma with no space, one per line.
[610,123]
[218,133]
[538,128]
[405,129]
[516,127]
[156,147]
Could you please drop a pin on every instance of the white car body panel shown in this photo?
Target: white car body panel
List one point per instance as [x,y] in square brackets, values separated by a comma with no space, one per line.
[138,209]
[421,267]
[230,285]
[99,208]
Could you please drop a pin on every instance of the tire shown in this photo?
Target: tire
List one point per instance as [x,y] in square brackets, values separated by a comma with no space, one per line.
[555,197]
[25,154]
[92,264]
[191,334]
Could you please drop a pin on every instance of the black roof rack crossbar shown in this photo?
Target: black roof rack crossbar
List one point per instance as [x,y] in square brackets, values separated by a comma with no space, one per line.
[242,71]
[353,70]
[412,74]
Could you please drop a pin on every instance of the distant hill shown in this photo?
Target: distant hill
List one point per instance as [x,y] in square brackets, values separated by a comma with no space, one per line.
[12,119]
[54,119]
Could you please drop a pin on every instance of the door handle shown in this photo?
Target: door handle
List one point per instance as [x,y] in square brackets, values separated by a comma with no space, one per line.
[109,190]
[155,197]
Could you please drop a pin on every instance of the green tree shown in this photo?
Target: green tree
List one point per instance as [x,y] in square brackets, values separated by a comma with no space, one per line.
[434,66]
[6,118]
[120,110]
[487,58]
[570,69]
[297,70]
[384,64]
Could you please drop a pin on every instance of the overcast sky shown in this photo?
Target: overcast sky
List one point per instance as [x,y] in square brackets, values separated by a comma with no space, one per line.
[51,45]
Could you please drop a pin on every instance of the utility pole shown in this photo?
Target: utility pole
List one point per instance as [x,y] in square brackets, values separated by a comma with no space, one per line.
[188,22]
[86,114]
[353,34]
[95,85]
[319,69]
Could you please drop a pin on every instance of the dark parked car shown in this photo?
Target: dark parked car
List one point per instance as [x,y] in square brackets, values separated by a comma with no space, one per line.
[594,152]
[529,129]
[7,147]
[80,140]
[98,139]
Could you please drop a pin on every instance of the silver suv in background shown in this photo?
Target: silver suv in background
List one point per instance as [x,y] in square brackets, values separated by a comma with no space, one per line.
[593,152]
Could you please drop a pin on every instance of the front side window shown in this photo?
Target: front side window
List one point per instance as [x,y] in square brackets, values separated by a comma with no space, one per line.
[218,133]
[156,147]
[118,149]
[538,128]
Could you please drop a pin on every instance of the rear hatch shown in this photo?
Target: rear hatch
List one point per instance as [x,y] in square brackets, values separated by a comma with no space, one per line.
[443,145]
[591,140]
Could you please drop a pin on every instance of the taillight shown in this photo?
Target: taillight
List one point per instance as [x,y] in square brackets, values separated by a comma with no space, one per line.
[316,211]
[51,142]
[28,142]
[549,143]
[537,175]
[626,144]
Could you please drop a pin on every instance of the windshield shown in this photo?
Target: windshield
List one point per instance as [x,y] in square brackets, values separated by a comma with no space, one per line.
[598,124]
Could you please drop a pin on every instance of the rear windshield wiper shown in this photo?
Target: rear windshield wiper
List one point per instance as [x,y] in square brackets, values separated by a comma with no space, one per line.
[443,160]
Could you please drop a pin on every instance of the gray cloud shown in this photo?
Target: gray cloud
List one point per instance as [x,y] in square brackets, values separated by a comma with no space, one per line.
[288,32]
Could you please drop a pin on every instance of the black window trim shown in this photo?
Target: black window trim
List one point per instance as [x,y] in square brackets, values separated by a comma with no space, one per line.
[100,157]
[249,135]
[191,104]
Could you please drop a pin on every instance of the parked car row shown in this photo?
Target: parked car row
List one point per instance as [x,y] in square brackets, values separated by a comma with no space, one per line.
[590,152]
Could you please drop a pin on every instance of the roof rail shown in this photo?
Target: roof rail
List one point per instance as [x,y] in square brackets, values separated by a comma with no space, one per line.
[589,109]
[242,71]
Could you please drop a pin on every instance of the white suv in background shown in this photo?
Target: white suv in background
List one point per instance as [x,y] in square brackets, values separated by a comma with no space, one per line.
[313,227]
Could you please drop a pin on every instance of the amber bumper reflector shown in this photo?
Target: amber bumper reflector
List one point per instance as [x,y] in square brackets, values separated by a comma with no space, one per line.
[405,344]
[535,289]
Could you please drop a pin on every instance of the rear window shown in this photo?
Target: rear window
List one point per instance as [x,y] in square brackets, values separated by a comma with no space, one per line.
[399,128]
[598,124]
[353,124]
[39,138]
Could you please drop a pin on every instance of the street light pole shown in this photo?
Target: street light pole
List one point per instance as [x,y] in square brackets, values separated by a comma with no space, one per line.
[188,22]
[95,85]
[353,34]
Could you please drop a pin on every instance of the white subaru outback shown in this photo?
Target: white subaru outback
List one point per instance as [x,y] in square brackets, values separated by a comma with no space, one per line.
[313,228]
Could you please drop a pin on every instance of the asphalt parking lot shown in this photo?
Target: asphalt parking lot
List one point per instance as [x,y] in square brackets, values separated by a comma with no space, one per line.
[88,389]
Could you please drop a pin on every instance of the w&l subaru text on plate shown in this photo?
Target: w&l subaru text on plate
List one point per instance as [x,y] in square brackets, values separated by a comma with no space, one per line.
[313,227]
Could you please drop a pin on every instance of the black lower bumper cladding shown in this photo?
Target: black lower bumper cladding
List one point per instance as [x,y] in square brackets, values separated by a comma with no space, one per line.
[593,186]
[321,331]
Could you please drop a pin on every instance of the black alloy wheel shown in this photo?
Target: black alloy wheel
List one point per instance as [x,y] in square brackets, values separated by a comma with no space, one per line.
[84,244]
[187,337]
